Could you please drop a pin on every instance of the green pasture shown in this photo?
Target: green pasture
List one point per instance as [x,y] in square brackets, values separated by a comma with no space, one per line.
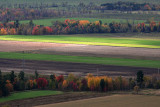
[87,40]
[83,59]
[28,94]
[48,22]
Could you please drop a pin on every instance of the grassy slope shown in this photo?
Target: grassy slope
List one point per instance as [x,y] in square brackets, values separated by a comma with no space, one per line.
[29,94]
[83,59]
[47,22]
[74,39]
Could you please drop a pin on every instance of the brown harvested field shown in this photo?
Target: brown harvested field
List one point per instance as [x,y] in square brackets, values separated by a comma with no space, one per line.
[79,69]
[67,96]
[112,101]
[85,50]
[49,67]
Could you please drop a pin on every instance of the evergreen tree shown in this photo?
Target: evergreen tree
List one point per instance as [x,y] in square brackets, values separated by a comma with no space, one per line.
[36,74]
[21,75]
[12,76]
[140,76]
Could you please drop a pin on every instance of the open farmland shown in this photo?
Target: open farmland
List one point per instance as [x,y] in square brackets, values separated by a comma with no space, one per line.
[112,101]
[29,94]
[48,22]
[80,58]
[87,40]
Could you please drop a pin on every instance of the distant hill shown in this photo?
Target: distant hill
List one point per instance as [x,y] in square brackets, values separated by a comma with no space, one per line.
[74,2]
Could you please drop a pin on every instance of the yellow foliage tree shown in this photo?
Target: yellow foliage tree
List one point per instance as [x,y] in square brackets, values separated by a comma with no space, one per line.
[3,31]
[12,31]
[65,84]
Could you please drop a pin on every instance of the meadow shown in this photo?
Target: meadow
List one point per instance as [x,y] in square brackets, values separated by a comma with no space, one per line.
[88,40]
[48,22]
[29,94]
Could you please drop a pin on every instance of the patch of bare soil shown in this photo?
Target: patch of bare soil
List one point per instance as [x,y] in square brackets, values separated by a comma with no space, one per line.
[79,69]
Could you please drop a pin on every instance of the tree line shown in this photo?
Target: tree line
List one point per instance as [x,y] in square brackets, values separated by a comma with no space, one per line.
[75,27]
[19,82]
[130,6]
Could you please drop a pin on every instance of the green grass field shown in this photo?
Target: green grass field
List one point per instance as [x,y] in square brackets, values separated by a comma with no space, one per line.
[28,94]
[47,22]
[83,59]
[87,40]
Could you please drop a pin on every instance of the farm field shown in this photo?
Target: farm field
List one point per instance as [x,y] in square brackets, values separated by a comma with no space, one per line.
[107,41]
[45,63]
[48,22]
[64,54]
[112,101]
[83,59]
[29,94]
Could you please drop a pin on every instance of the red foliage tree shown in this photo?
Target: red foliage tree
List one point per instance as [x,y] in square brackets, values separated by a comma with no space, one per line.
[35,30]
[47,30]
[41,82]
[73,86]
[60,79]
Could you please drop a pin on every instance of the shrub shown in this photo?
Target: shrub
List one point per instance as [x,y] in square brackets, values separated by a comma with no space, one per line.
[136,89]
[5,91]
[84,85]
[52,84]
[73,86]
[29,84]
[9,86]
